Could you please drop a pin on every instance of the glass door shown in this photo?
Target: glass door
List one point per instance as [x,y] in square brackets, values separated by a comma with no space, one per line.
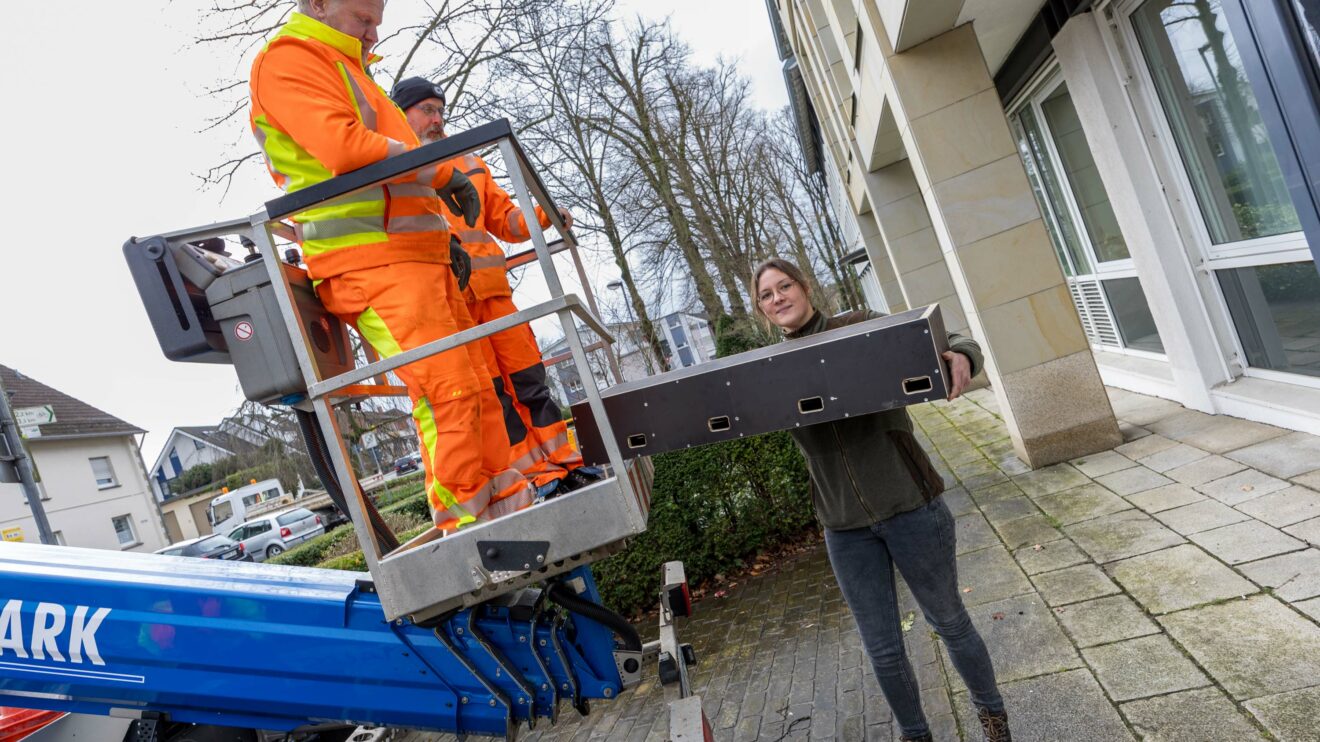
[1081,221]
[1250,231]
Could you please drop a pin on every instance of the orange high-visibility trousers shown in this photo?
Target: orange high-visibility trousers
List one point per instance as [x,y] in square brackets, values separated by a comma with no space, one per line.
[458,417]
[525,453]
[519,361]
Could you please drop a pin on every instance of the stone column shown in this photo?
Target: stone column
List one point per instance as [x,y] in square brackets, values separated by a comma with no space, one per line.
[998,254]
[878,253]
[913,246]
[1166,274]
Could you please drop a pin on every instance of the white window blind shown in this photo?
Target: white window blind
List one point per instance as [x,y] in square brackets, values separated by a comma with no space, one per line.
[103,472]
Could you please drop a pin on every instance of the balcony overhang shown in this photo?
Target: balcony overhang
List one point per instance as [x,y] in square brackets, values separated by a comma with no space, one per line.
[998,23]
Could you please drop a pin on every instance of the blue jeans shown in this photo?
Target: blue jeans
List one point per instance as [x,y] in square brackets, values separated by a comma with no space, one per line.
[921,544]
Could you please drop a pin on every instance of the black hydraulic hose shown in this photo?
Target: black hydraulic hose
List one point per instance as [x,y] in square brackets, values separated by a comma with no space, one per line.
[319,452]
[564,596]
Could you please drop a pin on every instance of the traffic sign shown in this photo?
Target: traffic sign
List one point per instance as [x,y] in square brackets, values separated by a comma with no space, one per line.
[369,439]
[35,415]
[29,431]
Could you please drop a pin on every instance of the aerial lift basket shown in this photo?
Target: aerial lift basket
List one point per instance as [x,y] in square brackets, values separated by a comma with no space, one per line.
[262,316]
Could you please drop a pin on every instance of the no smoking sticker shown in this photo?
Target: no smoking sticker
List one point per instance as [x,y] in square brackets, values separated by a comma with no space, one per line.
[243,330]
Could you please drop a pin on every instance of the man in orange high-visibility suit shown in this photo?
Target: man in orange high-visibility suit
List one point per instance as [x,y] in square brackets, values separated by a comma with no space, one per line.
[538,436]
[380,257]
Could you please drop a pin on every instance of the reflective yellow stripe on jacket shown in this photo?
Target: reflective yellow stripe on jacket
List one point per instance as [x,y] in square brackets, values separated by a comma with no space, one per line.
[352,220]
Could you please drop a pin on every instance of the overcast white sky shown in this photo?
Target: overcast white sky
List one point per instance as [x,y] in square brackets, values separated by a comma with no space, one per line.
[102,143]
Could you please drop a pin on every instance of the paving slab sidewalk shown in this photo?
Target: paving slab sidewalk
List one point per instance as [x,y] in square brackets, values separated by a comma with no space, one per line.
[1165,590]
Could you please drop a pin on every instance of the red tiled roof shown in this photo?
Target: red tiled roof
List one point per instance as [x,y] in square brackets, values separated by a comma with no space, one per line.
[73,417]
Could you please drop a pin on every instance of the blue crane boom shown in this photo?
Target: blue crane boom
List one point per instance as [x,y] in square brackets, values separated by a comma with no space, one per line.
[276,647]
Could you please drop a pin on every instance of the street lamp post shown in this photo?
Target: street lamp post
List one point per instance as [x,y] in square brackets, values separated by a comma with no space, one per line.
[638,340]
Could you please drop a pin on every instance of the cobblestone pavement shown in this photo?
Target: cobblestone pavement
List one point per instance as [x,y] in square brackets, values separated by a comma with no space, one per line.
[1168,589]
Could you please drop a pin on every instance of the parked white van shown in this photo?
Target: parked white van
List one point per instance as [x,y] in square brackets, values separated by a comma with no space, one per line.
[245,503]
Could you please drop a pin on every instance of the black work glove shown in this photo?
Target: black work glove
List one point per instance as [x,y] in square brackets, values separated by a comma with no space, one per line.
[461,197]
[460,262]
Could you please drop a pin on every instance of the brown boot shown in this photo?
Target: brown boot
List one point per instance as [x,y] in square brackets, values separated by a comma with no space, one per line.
[994,725]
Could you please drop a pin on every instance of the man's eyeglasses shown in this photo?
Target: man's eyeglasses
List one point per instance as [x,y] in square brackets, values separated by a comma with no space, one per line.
[431,111]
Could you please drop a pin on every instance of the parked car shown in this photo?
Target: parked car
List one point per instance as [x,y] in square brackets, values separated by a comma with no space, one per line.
[406,464]
[270,535]
[214,546]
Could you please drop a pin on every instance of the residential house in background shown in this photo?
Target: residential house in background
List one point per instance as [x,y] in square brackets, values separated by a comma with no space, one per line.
[188,447]
[1102,192]
[93,485]
[686,339]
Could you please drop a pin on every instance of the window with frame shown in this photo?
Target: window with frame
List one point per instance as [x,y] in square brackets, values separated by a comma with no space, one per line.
[1276,312]
[123,525]
[1251,225]
[680,337]
[1215,120]
[103,472]
[1081,222]
[220,512]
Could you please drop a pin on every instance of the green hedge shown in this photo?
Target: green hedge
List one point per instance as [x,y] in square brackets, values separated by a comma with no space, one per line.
[313,553]
[355,562]
[195,477]
[398,489]
[712,507]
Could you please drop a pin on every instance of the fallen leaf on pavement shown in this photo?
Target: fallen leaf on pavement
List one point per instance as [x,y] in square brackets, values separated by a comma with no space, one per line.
[908,620]
[997,615]
[1038,547]
[967,589]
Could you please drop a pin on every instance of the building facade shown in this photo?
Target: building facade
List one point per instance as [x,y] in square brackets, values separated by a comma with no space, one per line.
[93,485]
[185,515]
[1118,192]
[188,447]
[685,339]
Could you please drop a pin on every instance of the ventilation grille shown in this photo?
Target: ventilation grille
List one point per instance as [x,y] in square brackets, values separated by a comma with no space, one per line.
[1096,318]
